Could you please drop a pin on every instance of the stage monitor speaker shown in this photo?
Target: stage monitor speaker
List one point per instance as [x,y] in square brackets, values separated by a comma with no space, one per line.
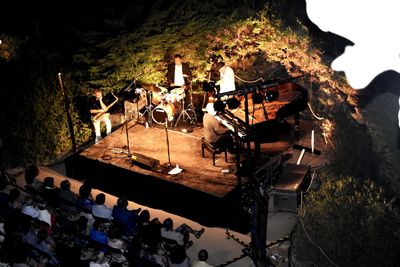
[144,161]
[288,189]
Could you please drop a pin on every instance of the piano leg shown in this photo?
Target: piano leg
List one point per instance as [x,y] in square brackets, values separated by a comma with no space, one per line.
[296,120]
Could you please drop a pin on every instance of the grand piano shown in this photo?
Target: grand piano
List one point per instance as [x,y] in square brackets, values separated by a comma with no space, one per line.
[268,105]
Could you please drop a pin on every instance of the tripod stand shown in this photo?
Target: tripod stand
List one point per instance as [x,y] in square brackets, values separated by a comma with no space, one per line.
[149,106]
[187,112]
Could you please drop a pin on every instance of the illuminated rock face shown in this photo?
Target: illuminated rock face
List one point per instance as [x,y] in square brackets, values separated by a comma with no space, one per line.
[372,26]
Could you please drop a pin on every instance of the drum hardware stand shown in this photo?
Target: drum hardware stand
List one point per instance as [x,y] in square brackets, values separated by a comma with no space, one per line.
[184,114]
[149,106]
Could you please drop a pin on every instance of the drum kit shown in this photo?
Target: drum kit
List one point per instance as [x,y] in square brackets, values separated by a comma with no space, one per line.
[162,106]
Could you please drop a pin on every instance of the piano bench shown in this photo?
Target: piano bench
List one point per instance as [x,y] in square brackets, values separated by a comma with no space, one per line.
[213,149]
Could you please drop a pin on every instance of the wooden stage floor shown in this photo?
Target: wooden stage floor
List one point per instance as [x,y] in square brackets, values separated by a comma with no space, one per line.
[185,150]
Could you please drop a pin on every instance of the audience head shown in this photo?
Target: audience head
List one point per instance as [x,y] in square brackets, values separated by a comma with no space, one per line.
[30,174]
[85,190]
[48,182]
[41,205]
[65,185]
[42,235]
[144,216]
[202,255]
[100,199]
[14,194]
[219,106]
[168,224]
[29,201]
[98,256]
[122,202]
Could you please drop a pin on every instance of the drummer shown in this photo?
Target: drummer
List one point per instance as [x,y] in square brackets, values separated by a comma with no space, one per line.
[179,73]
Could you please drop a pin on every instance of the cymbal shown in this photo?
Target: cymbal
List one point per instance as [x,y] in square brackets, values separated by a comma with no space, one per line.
[151,87]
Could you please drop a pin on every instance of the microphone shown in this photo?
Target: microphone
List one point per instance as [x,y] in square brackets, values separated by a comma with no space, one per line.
[140,74]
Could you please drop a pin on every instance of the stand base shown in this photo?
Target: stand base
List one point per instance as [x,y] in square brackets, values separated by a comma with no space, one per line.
[307,149]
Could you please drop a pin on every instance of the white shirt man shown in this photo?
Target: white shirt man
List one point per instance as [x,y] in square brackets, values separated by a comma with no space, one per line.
[178,77]
[227,79]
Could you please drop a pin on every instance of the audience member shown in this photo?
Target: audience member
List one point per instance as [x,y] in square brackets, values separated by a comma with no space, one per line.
[202,258]
[85,200]
[47,245]
[50,192]
[98,232]
[32,184]
[13,199]
[65,193]
[114,238]
[98,260]
[180,234]
[29,207]
[126,218]
[149,231]
[178,257]
[100,210]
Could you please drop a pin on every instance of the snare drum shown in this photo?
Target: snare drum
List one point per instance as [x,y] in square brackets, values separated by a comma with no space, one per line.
[177,94]
[163,113]
[159,96]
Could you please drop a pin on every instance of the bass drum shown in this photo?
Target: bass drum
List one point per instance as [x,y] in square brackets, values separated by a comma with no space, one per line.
[163,113]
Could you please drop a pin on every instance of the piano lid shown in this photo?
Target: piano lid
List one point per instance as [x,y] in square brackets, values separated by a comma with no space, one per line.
[291,98]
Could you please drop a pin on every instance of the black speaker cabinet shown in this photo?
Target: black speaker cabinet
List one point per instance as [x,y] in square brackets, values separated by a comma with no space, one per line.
[144,161]
[287,192]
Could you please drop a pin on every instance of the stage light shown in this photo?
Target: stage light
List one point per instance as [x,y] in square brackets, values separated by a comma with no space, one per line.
[1,42]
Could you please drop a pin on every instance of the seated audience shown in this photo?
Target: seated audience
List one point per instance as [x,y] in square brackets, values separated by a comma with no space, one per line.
[98,260]
[124,217]
[100,210]
[98,232]
[114,238]
[149,231]
[32,184]
[50,192]
[178,257]
[202,258]
[180,234]
[65,194]
[29,207]
[85,200]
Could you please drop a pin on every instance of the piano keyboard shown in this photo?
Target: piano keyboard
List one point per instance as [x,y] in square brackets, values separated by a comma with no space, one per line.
[228,121]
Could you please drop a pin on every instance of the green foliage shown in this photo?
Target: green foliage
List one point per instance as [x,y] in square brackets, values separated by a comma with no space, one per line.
[352,222]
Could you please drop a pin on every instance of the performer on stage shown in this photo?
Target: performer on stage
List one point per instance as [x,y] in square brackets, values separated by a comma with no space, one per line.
[227,78]
[99,113]
[214,132]
[179,73]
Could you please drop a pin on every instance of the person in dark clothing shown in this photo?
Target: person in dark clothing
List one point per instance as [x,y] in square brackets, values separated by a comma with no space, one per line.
[214,132]
[179,73]
[127,219]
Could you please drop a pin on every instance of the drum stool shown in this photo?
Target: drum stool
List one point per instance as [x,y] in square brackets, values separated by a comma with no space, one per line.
[213,149]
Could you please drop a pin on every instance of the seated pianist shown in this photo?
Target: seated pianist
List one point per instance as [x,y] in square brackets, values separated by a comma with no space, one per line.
[214,132]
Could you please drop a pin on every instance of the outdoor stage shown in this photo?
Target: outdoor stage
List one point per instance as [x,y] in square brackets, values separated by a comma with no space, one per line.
[201,191]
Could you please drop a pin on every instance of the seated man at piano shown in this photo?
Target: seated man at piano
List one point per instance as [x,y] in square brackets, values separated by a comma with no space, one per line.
[99,107]
[216,133]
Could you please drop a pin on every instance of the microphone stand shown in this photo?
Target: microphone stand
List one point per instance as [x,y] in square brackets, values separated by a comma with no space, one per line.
[166,133]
